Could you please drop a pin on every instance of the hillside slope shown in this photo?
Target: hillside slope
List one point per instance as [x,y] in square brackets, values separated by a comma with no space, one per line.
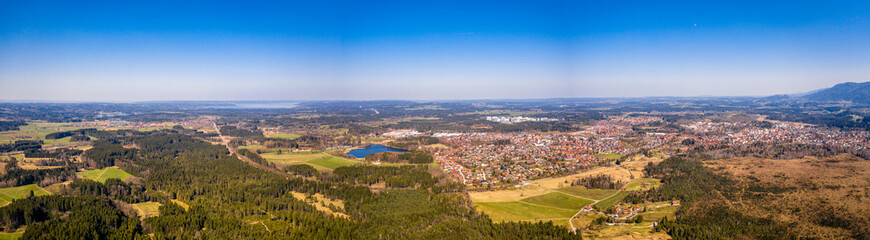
[854,92]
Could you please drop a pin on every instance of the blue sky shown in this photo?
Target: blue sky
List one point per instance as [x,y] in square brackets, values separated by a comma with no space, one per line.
[260,50]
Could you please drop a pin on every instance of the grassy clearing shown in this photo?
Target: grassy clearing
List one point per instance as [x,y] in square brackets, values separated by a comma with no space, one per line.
[101,175]
[520,211]
[642,184]
[182,204]
[606,203]
[318,160]
[55,188]
[10,236]
[321,202]
[658,213]
[558,200]
[37,131]
[597,194]
[32,163]
[283,135]
[507,195]
[9,194]
[610,156]
[147,209]
[617,172]
[331,162]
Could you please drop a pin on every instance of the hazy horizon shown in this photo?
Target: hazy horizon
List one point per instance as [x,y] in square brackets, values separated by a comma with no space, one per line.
[335,50]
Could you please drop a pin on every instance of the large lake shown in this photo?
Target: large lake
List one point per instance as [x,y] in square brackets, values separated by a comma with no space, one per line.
[377,148]
[257,105]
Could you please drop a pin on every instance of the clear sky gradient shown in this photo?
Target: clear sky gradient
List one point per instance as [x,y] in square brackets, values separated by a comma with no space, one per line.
[364,50]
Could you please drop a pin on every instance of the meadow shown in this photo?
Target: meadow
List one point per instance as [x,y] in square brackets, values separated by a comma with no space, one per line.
[101,175]
[521,211]
[318,160]
[616,198]
[597,194]
[558,200]
[11,236]
[11,193]
[642,184]
[147,209]
[289,136]
[531,202]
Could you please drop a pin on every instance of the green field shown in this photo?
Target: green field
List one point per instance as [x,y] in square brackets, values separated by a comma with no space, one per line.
[606,203]
[10,236]
[558,200]
[658,213]
[101,175]
[318,160]
[8,194]
[519,211]
[330,162]
[37,131]
[597,194]
[148,209]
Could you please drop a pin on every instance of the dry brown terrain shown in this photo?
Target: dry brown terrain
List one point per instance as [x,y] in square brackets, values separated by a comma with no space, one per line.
[508,195]
[816,197]
[622,173]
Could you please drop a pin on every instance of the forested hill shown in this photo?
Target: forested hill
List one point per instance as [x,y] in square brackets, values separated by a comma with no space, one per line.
[854,92]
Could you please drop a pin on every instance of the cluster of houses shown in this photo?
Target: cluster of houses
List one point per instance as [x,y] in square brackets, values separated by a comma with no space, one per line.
[491,158]
[626,212]
[518,119]
[738,133]
[195,124]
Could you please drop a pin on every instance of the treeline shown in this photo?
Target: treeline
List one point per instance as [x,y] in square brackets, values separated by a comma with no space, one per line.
[113,188]
[413,142]
[600,181]
[86,133]
[304,170]
[773,151]
[255,157]
[21,145]
[11,125]
[105,154]
[392,176]
[241,133]
[704,213]
[65,153]
[417,156]
[16,176]
[280,143]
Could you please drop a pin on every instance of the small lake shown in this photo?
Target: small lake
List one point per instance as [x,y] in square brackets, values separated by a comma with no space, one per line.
[377,148]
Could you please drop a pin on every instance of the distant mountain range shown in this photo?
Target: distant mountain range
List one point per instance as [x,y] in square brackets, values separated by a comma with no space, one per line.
[853,92]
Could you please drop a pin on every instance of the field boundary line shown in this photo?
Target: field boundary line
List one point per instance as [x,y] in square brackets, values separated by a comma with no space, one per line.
[535,204]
